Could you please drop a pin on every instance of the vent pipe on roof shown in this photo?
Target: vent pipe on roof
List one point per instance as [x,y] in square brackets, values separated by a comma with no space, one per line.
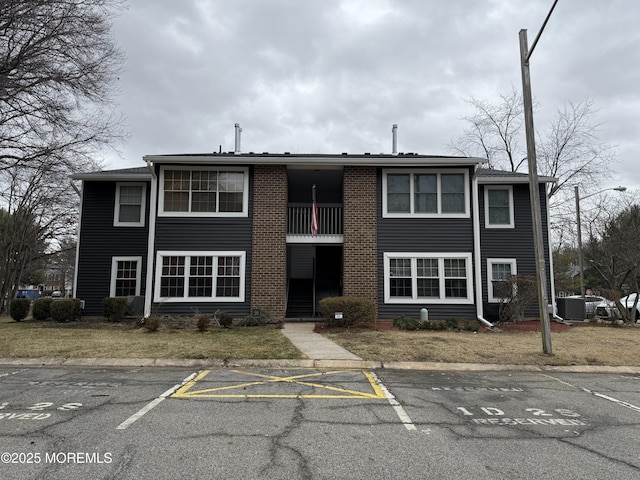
[238,134]
[394,131]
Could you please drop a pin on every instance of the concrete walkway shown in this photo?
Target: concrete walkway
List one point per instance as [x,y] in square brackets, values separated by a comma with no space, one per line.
[314,345]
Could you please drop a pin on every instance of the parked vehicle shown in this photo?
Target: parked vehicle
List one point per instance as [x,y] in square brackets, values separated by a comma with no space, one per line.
[628,302]
[607,310]
[30,293]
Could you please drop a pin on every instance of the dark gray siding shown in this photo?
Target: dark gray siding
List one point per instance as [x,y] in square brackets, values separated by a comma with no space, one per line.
[100,241]
[513,243]
[451,235]
[208,234]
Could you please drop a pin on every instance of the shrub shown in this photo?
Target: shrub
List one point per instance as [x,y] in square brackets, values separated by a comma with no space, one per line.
[259,320]
[66,309]
[151,324]
[114,308]
[355,310]
[515,293]
[202,322]
[406,323]
[19,308]
[42,308]
[224,319]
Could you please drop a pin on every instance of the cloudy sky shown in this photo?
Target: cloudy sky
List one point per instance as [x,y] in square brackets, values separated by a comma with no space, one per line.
[332,76]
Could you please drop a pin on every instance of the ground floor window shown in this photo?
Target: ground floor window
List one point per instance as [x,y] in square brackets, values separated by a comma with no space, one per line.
[498,271]
[427,277]
[125,276]
[200,276]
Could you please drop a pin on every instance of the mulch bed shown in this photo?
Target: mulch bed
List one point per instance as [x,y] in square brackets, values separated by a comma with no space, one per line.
[523,326]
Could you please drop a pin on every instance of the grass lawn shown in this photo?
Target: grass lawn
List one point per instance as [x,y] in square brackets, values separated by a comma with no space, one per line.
[126,340]
[584,344]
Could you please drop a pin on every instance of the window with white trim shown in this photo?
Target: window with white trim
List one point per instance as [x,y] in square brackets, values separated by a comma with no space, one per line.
[498,207]
[205,191]
[200,276]
[498,271]
[130,205]
[427,277]
[425,193]
[125,276]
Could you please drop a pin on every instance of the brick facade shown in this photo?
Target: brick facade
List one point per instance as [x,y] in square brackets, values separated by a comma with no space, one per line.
[360,233]
[269,239]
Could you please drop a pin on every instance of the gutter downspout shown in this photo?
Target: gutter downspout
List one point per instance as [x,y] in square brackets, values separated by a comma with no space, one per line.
[476,253]
[79,229]
[552,283]
[153,202]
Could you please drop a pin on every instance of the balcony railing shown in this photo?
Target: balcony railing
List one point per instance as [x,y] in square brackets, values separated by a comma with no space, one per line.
[329,219]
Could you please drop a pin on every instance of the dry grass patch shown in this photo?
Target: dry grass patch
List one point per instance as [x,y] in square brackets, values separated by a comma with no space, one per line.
[121,340]
[580,345]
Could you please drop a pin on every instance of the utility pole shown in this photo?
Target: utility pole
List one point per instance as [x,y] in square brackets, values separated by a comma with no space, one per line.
[534,186]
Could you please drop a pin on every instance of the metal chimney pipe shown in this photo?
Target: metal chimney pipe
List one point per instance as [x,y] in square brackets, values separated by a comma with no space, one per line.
[394,131]
[238,135]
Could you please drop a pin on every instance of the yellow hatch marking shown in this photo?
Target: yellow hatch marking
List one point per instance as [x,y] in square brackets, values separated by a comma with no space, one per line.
[187,391]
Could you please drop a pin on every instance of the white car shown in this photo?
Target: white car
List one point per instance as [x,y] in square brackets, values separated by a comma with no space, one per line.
[607,310]
[628,302]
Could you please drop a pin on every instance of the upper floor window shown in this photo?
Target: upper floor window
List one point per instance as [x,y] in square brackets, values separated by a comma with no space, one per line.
[130,205]
[204,192]
[424,193]
[498,202]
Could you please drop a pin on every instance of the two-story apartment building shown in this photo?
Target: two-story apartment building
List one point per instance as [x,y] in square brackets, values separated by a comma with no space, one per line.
[233,232]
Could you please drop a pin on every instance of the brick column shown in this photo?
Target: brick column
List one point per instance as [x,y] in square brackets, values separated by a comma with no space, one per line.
[269,239]
[360,233]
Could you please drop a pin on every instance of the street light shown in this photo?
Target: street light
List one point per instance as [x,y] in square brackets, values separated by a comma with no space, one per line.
[580,256]
[534,193]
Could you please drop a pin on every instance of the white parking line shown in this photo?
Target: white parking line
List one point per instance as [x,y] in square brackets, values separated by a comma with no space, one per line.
[597,394]
[402,414]
[156,401]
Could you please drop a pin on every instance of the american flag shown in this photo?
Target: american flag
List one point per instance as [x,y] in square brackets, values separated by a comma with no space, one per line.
[314,214]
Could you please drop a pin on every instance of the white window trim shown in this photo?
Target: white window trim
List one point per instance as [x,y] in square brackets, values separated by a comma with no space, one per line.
[511,223]
[491,261]
[114,272]
[411,172]
[387,256]
[197,253]
[143,205]
[224,168]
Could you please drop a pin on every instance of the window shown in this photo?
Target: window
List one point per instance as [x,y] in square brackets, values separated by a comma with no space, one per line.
[204,192]
[498,202]
[130,205]
[498,270]
[200,276]
[125,276]
[427,278]
[424,194]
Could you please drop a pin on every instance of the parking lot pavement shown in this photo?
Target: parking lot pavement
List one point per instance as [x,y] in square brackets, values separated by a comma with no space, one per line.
[242,422]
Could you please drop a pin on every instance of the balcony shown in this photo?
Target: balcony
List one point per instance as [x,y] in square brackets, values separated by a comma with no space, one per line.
[329,223]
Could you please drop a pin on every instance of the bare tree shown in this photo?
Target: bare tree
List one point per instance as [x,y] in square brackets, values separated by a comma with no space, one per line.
[568,149]
[494,132]
[58,72]
[614,254]
[571,151]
